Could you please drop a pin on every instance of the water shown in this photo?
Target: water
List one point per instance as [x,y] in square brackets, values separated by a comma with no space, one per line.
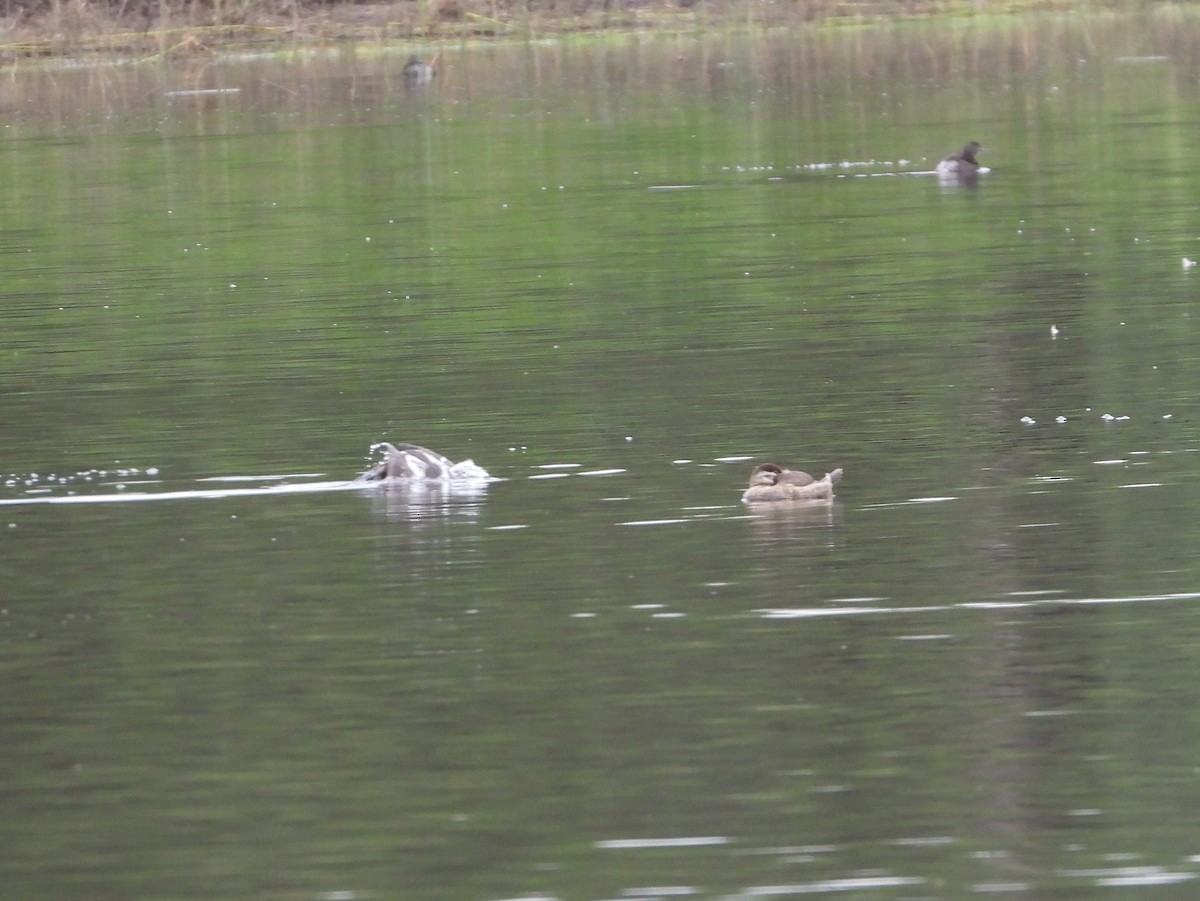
[616,273]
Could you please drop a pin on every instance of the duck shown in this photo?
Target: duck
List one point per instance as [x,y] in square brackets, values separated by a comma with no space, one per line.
[417,71]
[771,482]
[962,165]
[414,463]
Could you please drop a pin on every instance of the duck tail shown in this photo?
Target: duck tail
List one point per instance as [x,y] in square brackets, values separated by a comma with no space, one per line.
[834,477]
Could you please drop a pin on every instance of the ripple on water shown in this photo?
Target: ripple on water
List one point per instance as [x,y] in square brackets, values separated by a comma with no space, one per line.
[912,501]
[682,841]
[849,884]
[1000,888]
[48,482]
[264,478]
[1035,599]
[1118,877]
[556,471]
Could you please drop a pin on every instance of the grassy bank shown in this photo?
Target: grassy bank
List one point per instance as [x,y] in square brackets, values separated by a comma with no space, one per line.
[157,28]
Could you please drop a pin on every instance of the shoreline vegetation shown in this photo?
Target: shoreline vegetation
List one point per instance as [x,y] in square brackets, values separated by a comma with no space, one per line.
[159,29]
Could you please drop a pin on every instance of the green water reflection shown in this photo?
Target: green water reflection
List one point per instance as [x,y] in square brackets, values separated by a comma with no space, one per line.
[972,673]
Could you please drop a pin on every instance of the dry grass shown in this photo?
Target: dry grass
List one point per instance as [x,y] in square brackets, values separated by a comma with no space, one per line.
[181,28]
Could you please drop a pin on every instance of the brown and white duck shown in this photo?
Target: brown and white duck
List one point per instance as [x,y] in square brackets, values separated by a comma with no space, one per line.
[419,464]
[961,166]
[770,482]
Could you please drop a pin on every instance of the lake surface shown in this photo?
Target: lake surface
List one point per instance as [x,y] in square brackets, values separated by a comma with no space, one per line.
[616,272]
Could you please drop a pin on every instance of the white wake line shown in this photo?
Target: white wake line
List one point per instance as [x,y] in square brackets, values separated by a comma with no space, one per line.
[813,612]
[464,487]
[126,497]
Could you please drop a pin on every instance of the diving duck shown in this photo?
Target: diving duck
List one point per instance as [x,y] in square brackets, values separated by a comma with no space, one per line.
[962,166]
[770,482]
[417,71]
[415,463]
